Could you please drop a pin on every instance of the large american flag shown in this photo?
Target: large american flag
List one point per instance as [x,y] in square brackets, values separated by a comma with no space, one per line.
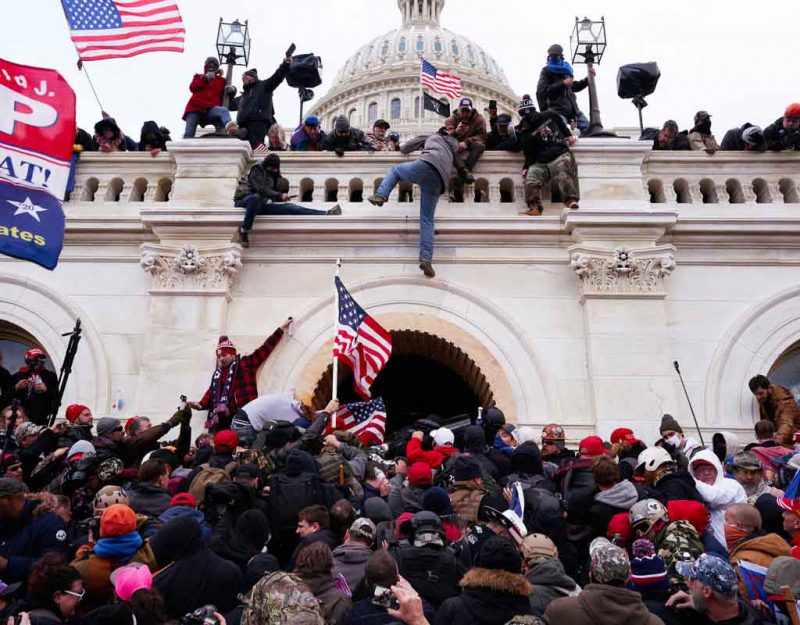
[366,420]
[446,84]
[361,343]
[113,29]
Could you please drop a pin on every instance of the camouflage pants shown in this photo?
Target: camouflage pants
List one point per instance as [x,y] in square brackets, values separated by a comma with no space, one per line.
[563,172]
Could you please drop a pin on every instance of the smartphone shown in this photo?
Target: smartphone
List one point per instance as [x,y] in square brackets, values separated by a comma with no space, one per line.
[385,598]
[291,50]
[492,104]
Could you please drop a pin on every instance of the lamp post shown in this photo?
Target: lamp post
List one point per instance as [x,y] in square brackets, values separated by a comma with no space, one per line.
[233,45]
[588,44]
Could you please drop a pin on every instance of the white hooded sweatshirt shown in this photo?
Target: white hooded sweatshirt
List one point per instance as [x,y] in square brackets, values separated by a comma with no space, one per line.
[725,492]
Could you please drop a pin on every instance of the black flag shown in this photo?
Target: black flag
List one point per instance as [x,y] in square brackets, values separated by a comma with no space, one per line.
[436,106]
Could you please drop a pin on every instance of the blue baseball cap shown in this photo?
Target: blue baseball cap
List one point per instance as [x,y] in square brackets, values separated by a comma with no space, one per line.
[311,120]
[712,571]
[465,103]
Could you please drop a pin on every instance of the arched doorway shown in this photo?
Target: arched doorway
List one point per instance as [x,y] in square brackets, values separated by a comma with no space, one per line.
[14,342]
[786,370]
[425,375]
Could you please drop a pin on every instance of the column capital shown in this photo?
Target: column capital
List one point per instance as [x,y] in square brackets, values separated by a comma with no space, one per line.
[189,270]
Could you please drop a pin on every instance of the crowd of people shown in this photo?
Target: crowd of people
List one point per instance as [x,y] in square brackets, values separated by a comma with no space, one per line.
[270,516]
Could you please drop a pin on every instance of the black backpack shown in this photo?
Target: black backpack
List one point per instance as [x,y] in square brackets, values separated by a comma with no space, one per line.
[288,494]
[304,71]
[433,573]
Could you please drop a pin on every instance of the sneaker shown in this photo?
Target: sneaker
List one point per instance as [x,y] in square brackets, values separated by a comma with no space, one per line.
[244,238]
[232,129]
[573,205]
[427,268]
[336,210]
[377,200]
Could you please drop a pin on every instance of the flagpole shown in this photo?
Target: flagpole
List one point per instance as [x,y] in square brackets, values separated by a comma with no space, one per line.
[82,67]
[335,380]
[421,94]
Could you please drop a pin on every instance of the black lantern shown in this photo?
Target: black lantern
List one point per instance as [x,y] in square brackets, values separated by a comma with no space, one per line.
[233,48]
[588,44]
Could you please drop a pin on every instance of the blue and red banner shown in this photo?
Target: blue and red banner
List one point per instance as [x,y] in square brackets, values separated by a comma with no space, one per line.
[37,132]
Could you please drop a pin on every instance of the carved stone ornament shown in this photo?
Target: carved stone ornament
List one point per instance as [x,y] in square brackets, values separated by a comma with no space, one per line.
[622,271]
[189,270]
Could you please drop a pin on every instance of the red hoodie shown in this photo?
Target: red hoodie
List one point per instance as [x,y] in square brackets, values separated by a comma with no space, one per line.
[204,94]
[433,458]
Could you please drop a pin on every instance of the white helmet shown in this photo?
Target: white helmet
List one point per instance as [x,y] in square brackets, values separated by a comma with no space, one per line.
[652,458]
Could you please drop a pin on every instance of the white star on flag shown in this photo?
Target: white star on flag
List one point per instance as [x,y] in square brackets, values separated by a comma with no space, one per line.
[28,207]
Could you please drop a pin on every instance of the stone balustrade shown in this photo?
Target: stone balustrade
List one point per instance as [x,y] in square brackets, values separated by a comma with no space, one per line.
[610,170]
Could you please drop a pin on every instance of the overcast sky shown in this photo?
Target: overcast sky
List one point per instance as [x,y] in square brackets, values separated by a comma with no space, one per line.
[726,56]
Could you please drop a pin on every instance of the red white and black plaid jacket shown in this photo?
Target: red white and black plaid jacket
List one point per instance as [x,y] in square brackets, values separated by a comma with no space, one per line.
[243,387]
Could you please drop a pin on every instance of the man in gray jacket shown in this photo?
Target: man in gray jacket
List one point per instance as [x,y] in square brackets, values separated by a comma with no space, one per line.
[350,558]
[432,172]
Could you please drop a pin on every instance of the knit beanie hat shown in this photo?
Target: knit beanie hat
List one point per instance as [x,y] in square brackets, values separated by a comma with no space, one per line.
[84,448]
[211,60]
[499,554]
[648,571]
[225,345]
[420,474]
[466,468]
[341,124]
[437,500]
[526,105]
[117,520]
[74,411]
[251,72]
[106,425]
[668,422]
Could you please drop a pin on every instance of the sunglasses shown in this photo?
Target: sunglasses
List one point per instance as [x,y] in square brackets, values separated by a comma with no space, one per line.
[78,595]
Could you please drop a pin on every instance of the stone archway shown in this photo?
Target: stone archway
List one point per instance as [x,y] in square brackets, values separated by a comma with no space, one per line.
[427,374]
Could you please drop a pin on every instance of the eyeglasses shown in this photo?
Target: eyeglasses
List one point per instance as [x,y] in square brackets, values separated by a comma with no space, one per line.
[78,595]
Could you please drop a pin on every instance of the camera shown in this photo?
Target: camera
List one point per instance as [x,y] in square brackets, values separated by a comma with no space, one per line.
[92,524]
[393,136]
[201,616]
[385,598]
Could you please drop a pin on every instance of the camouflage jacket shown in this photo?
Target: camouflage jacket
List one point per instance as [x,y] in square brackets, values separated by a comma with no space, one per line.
[678,542]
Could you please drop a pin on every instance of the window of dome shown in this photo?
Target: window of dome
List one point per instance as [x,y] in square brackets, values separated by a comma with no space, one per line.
[402,47]
[485,63]
[454,47]
[372,112]
[470,54]
[395,108]
[385,49]
[416,107]
[420,45]
[437,45]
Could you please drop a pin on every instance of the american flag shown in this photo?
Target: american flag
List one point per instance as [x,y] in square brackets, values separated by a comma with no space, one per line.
[361,343]
[114,29]
[516,513]
[440,82]
[366,420]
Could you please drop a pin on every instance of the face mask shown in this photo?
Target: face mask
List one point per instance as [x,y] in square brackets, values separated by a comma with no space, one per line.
[674,440]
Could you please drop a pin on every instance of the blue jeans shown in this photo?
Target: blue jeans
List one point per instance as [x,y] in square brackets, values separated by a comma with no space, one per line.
[582,123]
[219,113]
[430,186]
[254,205]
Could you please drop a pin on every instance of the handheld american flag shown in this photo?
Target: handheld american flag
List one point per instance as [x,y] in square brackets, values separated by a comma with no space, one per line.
[446,84]
[366,420]
[114,29]
[360,343]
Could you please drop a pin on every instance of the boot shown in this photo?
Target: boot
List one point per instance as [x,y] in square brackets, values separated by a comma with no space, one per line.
[244,238]
[336,210]
[427,268]
[534,209]
[573,205]
[377,200]
[232,128]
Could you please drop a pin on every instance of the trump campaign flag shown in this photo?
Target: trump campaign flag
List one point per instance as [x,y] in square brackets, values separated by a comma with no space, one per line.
[37,131]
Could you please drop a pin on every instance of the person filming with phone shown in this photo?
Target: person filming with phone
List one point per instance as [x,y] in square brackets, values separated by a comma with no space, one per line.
[205,105]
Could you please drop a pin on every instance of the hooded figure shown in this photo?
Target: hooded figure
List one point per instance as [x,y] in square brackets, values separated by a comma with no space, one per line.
[192,575]
[718,495]
[247,539]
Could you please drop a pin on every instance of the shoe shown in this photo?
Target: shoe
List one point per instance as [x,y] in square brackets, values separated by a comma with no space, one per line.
[427,268]
[534,210]
[573,205]
[336,210]
[377,200]
[244,238]
[232,129]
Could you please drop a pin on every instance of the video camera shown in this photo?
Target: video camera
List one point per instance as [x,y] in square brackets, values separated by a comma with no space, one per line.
[201,616]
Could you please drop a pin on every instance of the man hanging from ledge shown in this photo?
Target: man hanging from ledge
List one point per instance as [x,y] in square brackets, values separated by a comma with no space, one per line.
[545,140]
[261,192]
[234,381]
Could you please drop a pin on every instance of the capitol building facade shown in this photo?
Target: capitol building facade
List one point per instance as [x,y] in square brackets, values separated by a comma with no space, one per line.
[573,317]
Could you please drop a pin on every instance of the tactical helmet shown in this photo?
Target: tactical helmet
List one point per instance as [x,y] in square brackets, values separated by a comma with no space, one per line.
[427,529]
[652,458]
[645,514]
[108,496]
[553,432]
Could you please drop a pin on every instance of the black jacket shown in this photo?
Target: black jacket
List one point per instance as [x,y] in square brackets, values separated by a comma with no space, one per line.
[489,597]
[778,138]
[255,103]
[36,405]
[149,499]
[678,485]
[432,571]
[542,137]
[260,180]
[553,95]
[355,140]
[733,140]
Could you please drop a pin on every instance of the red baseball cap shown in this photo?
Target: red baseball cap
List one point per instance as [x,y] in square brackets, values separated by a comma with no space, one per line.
[183,499]
[226,440]
[592,446]
[790,505]
[74,411]
[420,474]
[623,435]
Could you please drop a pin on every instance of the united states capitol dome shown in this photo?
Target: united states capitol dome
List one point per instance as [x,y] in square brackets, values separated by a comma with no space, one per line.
[381,79]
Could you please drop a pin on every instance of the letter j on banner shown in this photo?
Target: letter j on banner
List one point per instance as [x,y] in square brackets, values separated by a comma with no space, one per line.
[37,132]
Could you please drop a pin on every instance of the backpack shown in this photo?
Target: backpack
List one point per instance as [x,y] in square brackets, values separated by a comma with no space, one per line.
[304,71]
[288,494]
[281,598]
[543,513]
[209,475]
[333,468]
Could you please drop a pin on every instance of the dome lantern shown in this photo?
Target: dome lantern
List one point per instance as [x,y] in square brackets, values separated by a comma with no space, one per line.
[420,11]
